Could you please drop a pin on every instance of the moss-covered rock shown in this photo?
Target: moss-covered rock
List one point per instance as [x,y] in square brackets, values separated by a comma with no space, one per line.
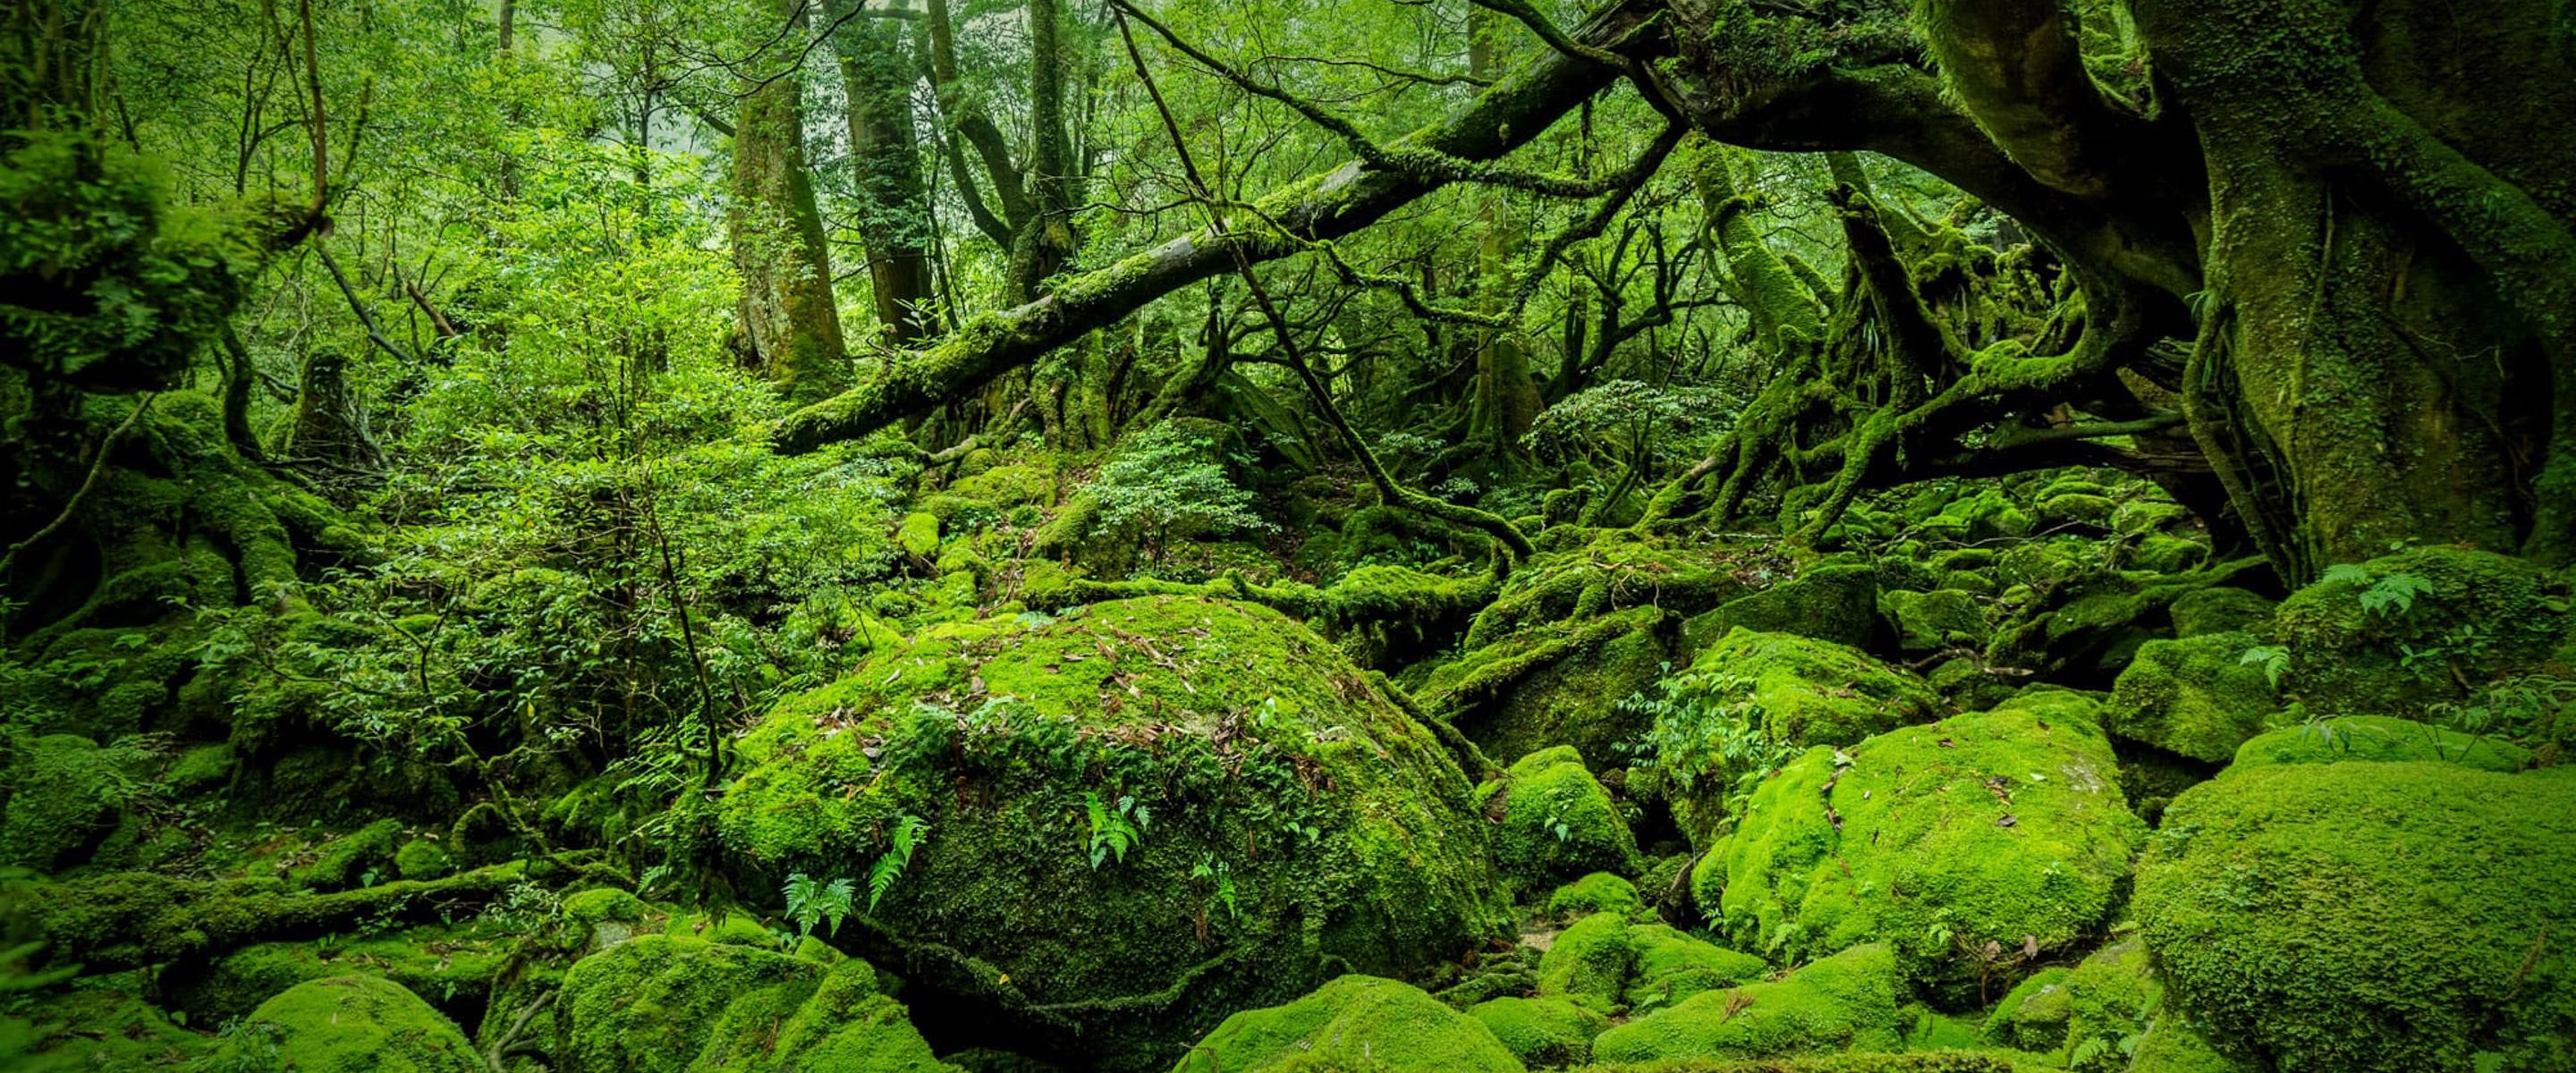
[2371,916]
[1556,820]
[919,535]
[1589,962]
[451,966]
[2032,1016]
[1942,618]
[349,1024]
[1557,685]
[63,791]
[2377,738]
[1843,1002]
[1829,601]
[1599,892]
[1965,844]
[1815,692]
[2219,609]
[351,858]
[1352,1023]
[2195,696]
[201,769]
[2392,635]
[1133,818]
[1673,965]
[423,858]
[1541,1031]
[666,1004]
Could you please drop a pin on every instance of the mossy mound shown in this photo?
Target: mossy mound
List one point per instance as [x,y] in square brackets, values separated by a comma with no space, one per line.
[1556,820]
[62,795]
[666,1004]
[349,1024]
[1541,1031]
[1352,1023]
[1829,601]
[2195,696]
[2390,916]
[2392,635]
[1812,692]
[1609,964]
[1139,816]
[2378,738]
[1965,844]
[1844,1002]
[2219,609]
[451,966]
[1555,685]
[1929,621]
[1599,892]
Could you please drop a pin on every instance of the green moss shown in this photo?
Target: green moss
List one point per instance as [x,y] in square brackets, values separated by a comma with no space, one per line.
[422,858]
[346,861]
[919,534]
[1589,962]
[684,1004]
[2032,1016]
[2074,508]
[1830,601]
[1541,1031]
[2377,738]
[95,1023]
[1007,486]
[1599,892]
[1942,618]
[453,967]
[202,769]
[2168,554]
[2484,616]
[846,1021]
[2195,696]
[2219,609]
[1355,1023]
[1547,686]
[1672,965]
[1999,827]
[1861,1062]
[1843,1002]
[1344,832]
[63,792]
[2383,916]
[348,1024]
[1557,821]
[1815,692]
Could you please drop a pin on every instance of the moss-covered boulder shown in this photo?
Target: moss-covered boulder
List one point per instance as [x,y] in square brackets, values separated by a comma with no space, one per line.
[1941,618]
[1556,822]
[1124,822]
[2219,609]
[349,1024]
[672,1004]
[1844,1002]
[2377,738]
[1967,845]
[2196,696]
[1558,685]
[63,791]
[1541,1031]
[1829,601]
[1599,892]
[1812,692]
[2371,916]
[350,859]
[2397,633]
[1352,1023]
[1610,964]
[451,965]
[2032,1016]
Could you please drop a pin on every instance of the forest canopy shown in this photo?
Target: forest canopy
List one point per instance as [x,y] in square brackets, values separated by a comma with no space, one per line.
[1910,536]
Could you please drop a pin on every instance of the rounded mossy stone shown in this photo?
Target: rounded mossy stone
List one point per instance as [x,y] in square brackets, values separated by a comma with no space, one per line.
[2385,916]
[201,769]
[1007,486]
[846,1020]
[1941,618]
[423,858]
[63,791]
[919,534]
[2032,1016]
[2378,738]
[1556,684]
[351,859]
[1589,962]
[2166,554]
[1814,692]
[1079,777]
[2219,609]
[1352,1023]
[450,966]
[2195,696]
[2073,508]
[1844,1002]
[1541,1031]
[2397,633]
[1673,965]
[349,1024]
[684,1005]
[1830,601]
[1599,892]
[2002,827]
[1557,821]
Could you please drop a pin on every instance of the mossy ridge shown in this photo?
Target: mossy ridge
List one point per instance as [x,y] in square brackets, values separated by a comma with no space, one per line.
[1352,1023]
[1847,1001]
[2412,893]
[2479,616]
[1242,740]
[2377,738]
[1966,844]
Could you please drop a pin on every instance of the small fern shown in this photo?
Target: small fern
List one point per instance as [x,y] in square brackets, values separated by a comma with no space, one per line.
[1112,832]
[905,838]
[2274,660]
[811,901]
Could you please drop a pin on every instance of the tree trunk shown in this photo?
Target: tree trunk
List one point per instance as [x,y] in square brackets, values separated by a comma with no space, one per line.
[877,70]
[787,306]
[1044,242]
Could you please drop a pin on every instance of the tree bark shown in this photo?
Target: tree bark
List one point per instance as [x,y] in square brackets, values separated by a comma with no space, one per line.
[787,308]
[877,70]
